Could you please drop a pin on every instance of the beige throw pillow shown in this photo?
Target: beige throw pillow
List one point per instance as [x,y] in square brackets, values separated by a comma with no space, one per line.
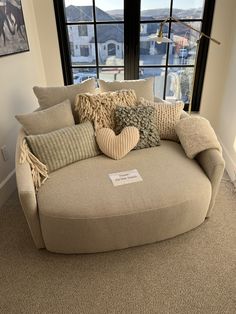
[48,120]
[117,146]
[64,146]
[168,114]
[143,87]
[50,96]
[100,108]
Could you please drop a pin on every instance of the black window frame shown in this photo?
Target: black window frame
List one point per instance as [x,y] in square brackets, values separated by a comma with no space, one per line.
[131,24]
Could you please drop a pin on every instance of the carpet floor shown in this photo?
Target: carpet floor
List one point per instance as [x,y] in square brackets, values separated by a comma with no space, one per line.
[192,273]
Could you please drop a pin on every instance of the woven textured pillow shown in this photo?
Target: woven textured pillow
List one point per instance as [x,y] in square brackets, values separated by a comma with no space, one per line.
[65,146]
[168,114]
[141,117]
[117,146]
[48,120]
[100,108]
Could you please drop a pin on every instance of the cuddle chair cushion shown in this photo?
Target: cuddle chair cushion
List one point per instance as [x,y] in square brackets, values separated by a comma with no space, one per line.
[129,215]
[144,119]
[168,114]
[50,96]
[142,87]
[48,120]
[64,146]
[100,108]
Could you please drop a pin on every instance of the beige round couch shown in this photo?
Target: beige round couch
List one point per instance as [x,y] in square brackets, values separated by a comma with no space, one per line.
[78,210]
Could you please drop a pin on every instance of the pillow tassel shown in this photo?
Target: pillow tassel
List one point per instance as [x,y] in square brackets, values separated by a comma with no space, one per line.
[38,169]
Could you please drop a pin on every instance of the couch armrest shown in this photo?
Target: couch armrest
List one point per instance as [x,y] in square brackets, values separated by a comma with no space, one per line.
[213,165]
[27,195]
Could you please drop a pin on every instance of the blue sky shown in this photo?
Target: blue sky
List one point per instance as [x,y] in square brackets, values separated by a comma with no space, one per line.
[146,4]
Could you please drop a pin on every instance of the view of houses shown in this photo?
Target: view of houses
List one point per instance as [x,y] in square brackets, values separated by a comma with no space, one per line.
[110,48]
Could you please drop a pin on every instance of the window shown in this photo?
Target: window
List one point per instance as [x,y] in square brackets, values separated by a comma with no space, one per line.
[111,49]
[117,34]
[83,30]
[84,51]
[72,48]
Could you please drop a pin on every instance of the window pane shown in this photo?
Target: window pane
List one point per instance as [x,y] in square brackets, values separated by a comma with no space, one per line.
[79,10]
[179,84]
[82,74]
[155,9]
[159,78]
[111,74]
[152,53]
[107,10]
[110,44]
[183,48]
[186,9]
[82,47]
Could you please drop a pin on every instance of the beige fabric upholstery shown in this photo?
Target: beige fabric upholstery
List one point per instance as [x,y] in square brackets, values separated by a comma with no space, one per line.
[100,108]
[175,196]
[167,202]
[117,146]
[213,164]
[196,135]
[50,96]
[184,115]
[142,87]
[27,196]
[168,115]
[48,120]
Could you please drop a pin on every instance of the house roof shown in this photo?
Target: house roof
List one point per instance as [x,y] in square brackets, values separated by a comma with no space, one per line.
[109,32]
[104,32]
[85,14]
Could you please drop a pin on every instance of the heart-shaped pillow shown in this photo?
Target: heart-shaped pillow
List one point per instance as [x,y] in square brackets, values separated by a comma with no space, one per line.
[117,146]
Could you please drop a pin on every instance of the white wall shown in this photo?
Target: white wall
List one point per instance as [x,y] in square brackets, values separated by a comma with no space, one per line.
[219,92]
[18,74]
[226,128]
[48,39]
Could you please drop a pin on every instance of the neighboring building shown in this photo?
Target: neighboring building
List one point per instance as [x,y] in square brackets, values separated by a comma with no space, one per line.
[110,37]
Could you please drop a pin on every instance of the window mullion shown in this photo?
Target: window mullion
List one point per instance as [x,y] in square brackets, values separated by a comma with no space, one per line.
[131,38]
[167,53]
[95,38]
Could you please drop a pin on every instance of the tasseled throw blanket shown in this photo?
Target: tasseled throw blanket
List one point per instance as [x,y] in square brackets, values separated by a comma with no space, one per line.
[38,169]
[196,135]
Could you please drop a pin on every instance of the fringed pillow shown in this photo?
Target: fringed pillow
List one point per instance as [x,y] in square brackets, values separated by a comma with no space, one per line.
[64,146]
[100,108]
[39,171]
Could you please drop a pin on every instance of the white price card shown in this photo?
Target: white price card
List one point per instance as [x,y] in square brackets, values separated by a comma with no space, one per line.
[125,177]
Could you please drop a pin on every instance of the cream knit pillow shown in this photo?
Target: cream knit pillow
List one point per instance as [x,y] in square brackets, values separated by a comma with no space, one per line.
[100,108]
[168,114]
[117,146]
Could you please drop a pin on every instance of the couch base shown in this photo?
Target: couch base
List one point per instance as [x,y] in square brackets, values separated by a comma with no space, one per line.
[81,212]
[108,234]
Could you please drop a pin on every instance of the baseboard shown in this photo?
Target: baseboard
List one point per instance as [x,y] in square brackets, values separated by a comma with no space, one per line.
[7,187]
[230,165]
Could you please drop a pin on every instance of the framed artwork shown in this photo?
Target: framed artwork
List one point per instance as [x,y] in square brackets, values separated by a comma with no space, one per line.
[13,37]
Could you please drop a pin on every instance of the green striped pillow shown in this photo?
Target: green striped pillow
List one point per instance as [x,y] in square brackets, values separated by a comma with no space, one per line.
[64,146]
